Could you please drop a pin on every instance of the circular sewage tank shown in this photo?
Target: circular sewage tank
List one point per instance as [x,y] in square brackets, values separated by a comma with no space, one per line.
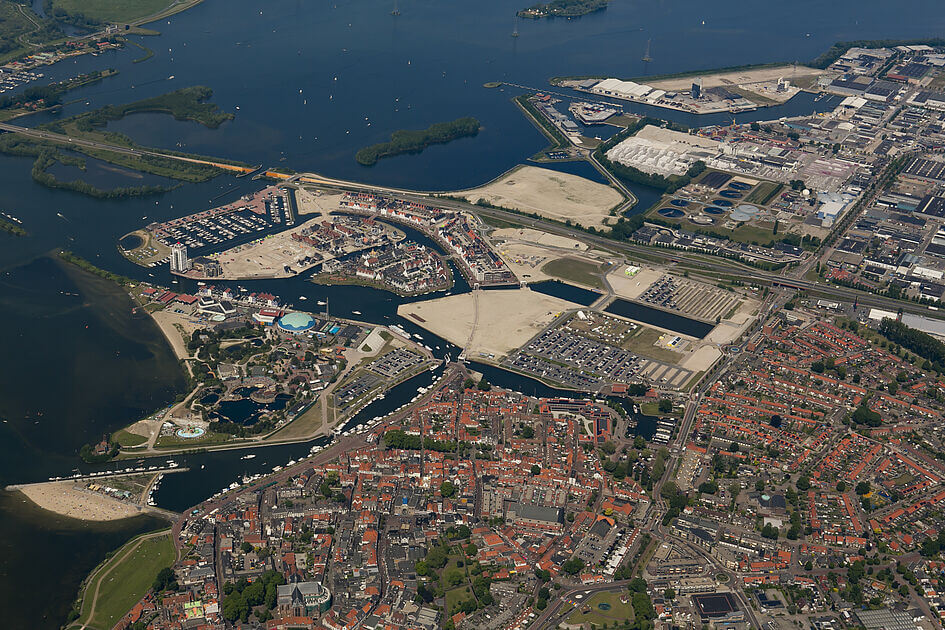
[723,203]
[296,322]
[670,213]
[679,203]
[739,186]
[714,210]
[731,194]
[744,212]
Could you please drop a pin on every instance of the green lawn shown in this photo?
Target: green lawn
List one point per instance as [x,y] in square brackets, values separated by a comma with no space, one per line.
[574,270]
[122,581]
[618,611]
[127,439]
[643,342]
[120,11]
[207,439]
[456,595]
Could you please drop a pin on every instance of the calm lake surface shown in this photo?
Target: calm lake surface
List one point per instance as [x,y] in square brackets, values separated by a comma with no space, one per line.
[310,82]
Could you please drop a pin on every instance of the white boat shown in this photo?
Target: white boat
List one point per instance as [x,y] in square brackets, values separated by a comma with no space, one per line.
[251,456]
[320,303]
[302,297]
[356,312]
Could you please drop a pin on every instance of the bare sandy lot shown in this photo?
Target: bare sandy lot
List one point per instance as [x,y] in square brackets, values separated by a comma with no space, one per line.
[702,359]
[537,237]
[266,257]
[75,501]
[317,201]
[631,287]
[740,77]
[493,322]
[730,329]
[551,194]
[526,261]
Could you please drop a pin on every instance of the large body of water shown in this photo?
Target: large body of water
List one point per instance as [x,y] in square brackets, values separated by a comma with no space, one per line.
[310,83]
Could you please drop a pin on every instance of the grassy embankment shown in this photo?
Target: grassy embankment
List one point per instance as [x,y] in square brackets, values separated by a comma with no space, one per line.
[117,584]
[415,141]
[111,11]
[184,104]
[558,141]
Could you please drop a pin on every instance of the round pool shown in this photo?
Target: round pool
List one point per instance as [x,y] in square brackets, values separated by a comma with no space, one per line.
[670,213]
[190,432]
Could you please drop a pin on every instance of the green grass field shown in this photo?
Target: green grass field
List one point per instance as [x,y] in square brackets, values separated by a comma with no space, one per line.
[124,579]
[207,439]
[127,439]
[120,11]
[642,342]
[618,611]
[763,193]
[574,270]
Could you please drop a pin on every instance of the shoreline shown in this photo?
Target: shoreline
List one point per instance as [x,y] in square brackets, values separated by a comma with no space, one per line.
[65,498]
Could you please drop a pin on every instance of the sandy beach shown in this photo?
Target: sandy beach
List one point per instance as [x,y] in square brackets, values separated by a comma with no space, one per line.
[75,501]
[166,321]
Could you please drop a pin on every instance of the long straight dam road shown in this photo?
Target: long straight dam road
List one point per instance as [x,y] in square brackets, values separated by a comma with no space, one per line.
[49,136]
[721,266]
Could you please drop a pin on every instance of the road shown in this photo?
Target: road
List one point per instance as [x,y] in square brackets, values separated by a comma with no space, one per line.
[702,262]
[40,134]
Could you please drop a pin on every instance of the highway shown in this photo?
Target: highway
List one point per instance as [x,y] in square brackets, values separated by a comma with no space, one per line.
[701,262]
[49,136]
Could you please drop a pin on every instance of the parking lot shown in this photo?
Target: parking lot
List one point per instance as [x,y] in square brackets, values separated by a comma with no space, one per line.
[690,298]
[396,362]
[355,389]
[576,361]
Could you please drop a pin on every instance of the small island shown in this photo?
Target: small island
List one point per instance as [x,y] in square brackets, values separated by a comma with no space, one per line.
[414,141]
[562,8]
[11,228]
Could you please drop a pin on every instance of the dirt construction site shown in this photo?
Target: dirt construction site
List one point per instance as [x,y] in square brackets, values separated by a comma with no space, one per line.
[553,195]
